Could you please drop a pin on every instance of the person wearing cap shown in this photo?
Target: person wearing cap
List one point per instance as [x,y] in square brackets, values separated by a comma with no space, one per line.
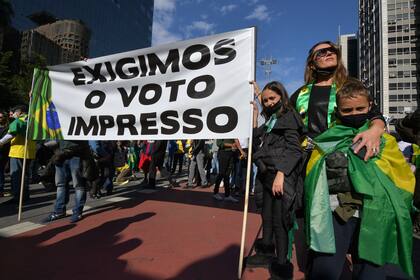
[16,136]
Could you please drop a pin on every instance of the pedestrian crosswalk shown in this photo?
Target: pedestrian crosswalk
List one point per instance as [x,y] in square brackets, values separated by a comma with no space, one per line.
[18,229]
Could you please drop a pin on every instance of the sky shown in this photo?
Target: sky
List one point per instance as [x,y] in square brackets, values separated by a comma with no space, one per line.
[286,29]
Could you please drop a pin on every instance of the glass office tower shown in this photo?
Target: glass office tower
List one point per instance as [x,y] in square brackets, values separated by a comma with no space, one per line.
[115,25]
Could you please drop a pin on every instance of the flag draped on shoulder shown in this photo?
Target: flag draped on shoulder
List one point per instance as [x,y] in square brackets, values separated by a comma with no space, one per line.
[386,184]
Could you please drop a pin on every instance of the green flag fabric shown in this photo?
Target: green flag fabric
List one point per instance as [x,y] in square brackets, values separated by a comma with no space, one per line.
[44,122]
[386,184]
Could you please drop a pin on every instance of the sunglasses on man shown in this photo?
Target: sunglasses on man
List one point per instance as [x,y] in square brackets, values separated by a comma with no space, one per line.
[324,52]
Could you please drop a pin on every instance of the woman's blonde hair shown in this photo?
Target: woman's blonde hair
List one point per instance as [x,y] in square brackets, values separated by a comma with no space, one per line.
[340,74]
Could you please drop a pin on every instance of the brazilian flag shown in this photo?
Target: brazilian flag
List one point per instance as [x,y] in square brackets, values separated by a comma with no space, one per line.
[44,122]
[386,184]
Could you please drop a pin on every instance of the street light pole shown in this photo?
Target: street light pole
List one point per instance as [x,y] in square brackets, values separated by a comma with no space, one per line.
[267,63]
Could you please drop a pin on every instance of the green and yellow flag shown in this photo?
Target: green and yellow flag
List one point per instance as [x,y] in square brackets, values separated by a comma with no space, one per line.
[44,122]
[386,184]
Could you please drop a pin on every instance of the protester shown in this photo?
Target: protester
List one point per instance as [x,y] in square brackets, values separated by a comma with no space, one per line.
[68,161]
[146,149]
[226,153]
[4,149]
[178,156]
[172,148]
[16,136]
[353,205]
[315,102]
[214,160]
[241,165]
[123,171]
[133,156]
[199,151]
[156,163]
[277,154]
[409,130]
[103,155]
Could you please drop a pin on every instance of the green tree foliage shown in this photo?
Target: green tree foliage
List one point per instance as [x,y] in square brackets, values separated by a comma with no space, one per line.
[15,87]
[6,13]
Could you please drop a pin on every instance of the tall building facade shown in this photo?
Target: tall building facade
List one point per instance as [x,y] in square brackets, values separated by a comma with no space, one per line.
[115,25]
[59,41]
[349,52]
[389,52]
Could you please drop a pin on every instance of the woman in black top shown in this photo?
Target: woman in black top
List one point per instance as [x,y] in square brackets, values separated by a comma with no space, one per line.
[277,153]
[315,101]
[325,74]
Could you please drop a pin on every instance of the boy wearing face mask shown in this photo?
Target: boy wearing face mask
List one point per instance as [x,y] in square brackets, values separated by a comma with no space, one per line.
[353,205]
[16,136]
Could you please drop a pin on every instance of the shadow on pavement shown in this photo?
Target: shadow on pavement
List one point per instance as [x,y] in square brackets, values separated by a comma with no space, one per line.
[202,269]
[57,254]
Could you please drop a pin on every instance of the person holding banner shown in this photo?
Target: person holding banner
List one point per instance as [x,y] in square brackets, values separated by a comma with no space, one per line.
[16,136]
[277,154]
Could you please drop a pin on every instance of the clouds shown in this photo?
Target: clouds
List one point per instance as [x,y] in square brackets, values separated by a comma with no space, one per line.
[227,8]
[164,12]
[201,27]
[260,12]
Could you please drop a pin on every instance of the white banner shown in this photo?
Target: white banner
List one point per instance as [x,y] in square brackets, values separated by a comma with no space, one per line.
[195,89]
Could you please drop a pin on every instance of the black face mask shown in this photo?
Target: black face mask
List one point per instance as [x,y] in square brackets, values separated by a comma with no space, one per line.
[268,111]
[354,121]
[329,71]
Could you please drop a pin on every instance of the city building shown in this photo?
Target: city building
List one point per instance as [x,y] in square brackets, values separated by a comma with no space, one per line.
[115,25]
[59,41]
[388,51]
[349,53]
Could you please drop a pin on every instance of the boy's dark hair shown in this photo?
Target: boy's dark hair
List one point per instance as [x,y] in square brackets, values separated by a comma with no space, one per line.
[352,88]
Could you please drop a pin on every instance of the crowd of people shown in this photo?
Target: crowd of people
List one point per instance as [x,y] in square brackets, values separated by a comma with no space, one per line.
[322,159]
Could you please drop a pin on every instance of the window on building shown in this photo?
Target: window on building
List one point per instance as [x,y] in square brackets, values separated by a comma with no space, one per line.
[392,86]
[393,109]
[392,97]
[392,61]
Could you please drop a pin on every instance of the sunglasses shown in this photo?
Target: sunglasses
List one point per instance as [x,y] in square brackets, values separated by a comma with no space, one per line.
[324,52]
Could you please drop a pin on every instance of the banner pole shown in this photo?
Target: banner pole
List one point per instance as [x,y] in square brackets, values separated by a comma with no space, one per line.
[248,177]
[22,177]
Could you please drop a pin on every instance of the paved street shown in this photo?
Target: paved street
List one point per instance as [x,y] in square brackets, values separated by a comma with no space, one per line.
[134,234]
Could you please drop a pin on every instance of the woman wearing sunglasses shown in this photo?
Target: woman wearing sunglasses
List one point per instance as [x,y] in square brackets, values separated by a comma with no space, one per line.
[325,74]
[315,101]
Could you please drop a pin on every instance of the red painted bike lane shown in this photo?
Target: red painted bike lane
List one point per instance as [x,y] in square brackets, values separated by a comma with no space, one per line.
[169,234]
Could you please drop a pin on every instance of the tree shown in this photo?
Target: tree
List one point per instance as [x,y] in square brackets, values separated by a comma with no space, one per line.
[14,87]
[6,13]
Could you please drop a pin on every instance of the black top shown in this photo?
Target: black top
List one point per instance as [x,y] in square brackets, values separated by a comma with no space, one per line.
[318,109]
[279,149]
[197,146]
